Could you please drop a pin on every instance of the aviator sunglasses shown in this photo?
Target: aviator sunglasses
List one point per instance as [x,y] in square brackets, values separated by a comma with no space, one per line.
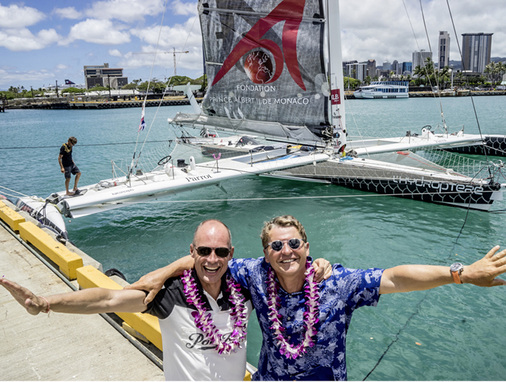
[206,251]
[277,245]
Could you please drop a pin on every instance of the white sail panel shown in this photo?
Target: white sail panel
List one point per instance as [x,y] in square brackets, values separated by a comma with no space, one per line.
[265,61]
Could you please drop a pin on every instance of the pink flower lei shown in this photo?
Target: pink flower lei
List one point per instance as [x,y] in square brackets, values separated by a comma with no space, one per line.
[204,321]
[312,296]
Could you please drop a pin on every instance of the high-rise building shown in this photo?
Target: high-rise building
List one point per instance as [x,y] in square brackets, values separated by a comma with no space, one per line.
[420,57]
[476,51]
[357,70]
[371,68]
[407,68]
[102,75]
[444,49]
[396,67]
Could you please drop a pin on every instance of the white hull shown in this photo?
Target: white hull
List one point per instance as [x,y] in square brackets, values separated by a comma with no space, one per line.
[377,95]
[45,213]
[383,90]
[113,193]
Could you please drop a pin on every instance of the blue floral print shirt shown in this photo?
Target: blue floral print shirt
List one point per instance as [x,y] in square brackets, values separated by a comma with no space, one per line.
[343,292]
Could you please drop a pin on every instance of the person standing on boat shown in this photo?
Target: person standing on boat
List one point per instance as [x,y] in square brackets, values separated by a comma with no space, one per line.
[68,167]
[203,314]
[304,324]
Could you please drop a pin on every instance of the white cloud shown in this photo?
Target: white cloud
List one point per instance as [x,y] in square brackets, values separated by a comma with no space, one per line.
[102,32]
[178,36]
[68,13]
[18,40]
[382,30]
[184,9]
[125,10]
[13,77]
[14,16]
[115,53]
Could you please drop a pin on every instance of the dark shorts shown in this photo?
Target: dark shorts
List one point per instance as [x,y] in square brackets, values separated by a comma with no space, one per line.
[72,169]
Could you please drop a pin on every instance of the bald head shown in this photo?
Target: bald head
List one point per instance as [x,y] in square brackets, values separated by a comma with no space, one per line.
[211,227]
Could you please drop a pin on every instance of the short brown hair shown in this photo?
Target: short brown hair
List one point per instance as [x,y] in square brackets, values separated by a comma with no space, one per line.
[281,221]
[73,140]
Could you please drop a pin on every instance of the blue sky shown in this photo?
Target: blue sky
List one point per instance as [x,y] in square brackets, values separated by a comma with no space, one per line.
[42,41]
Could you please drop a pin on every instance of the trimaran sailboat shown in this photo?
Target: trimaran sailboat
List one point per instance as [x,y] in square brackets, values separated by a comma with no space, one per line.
[275,70]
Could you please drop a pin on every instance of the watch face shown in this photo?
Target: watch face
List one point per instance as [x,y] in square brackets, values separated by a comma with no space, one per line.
[456,267]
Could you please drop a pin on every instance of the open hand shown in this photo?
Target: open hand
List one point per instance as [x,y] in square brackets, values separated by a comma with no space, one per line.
[151,282]
[32,303]
[323,269]
[484,272]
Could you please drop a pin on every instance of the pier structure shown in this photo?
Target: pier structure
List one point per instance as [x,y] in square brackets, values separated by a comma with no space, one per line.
[58,346]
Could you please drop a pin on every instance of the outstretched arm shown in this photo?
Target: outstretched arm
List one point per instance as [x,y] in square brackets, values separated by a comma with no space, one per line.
[86,301]
[153,281]
[407,278]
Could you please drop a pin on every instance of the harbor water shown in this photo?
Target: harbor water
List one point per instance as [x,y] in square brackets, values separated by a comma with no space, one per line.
[456,332]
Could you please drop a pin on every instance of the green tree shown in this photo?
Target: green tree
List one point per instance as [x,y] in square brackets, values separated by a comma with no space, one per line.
[72,90]
[495,72]
[351,83]
[98,88]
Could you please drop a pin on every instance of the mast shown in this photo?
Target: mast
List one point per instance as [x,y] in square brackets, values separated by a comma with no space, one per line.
[337,109]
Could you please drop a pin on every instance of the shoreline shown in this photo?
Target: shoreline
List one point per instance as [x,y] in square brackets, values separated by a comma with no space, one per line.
[129,102]
[459,93]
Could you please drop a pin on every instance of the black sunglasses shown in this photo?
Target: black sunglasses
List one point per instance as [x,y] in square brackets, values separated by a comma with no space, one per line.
[220,251]
[277,245]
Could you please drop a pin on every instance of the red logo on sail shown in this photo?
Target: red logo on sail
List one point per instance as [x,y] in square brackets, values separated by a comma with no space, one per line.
[258,64]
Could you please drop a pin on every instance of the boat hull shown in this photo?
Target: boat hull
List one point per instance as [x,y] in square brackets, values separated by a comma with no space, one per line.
[492,145]
[402,181]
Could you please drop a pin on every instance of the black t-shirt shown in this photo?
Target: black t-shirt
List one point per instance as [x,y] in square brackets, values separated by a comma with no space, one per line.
[66,153]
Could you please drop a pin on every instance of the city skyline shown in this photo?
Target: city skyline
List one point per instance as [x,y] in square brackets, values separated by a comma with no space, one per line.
[43,42]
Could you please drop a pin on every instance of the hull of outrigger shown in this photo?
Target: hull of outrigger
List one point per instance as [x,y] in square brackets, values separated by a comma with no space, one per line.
[428,185]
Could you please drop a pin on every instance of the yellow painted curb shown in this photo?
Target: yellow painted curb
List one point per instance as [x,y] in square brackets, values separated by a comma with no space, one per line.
[10,217]
[147,325]
[66,260]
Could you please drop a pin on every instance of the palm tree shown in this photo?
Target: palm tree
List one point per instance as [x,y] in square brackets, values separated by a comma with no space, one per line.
[443,77]
[495,72]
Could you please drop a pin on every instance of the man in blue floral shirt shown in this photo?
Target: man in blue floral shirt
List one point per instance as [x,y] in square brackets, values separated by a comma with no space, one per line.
[340,295]
[286,250]
[304,324]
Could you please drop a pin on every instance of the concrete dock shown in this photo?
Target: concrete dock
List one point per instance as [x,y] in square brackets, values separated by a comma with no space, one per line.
[58,347]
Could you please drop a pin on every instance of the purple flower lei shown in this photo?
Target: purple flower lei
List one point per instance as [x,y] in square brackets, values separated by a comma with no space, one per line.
[312,296]
[204,321]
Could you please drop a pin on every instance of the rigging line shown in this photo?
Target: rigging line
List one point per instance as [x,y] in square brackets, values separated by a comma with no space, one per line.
[436,75]
[15,195]
[168,83]
[413,31]
[149,83]
[462,62]
[81,145]
[417,311]
[396,338]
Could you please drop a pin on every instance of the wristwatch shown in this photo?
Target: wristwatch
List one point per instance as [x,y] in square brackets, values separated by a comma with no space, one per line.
[456,270]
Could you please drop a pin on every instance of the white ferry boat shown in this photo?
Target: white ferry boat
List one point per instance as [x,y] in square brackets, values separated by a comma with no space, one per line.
[383,89]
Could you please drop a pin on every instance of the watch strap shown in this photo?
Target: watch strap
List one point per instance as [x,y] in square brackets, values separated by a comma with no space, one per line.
[456,277]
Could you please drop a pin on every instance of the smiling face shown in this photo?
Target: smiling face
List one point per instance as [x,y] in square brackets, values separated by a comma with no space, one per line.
[289,264]
[211,268]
